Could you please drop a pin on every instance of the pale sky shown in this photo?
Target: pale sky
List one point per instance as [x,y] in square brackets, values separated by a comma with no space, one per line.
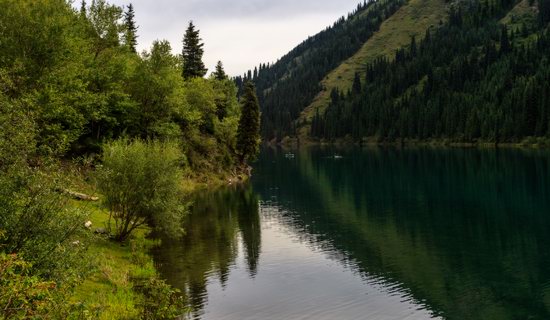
[241,33]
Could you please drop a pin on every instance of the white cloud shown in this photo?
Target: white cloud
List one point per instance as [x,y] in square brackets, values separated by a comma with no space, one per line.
[241,33]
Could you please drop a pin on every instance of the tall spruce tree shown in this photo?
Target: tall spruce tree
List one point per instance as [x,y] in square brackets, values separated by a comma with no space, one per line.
[220,74]
[130,36]
[83,10]
[356,84]
[248,135]
[193,67]
[544,12]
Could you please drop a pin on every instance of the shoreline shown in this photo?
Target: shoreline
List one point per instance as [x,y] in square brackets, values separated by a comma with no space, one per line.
[110,290]
[296,142]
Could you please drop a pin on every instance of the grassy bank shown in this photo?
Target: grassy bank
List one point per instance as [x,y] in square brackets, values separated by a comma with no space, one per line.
[109,292]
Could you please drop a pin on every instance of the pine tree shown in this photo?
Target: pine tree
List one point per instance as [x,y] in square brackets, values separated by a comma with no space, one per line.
[505,45]
[248,135]
[130,36]
[356,84]
[544,12]
[413,47]
[193,67]
[83,11]
[220,74]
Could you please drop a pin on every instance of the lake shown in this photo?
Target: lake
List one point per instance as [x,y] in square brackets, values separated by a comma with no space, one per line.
[371,233]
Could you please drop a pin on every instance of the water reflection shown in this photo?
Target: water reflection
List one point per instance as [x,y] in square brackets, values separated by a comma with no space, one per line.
[219,222]
[460,234]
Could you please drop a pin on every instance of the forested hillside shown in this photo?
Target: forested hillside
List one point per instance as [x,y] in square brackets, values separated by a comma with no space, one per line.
[483,76]
[77,79]
[289,85]
[458,71]
[411,20]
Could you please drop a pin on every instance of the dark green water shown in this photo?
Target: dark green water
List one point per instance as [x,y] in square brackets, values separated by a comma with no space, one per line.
[376,234]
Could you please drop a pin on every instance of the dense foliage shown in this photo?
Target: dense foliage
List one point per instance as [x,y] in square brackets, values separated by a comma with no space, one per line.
[286,87]
[22,295]
[71,83]
[141,184]
[472,79]
[77,77]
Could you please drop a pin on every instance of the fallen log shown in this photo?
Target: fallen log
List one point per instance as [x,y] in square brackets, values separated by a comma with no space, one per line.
[80,196]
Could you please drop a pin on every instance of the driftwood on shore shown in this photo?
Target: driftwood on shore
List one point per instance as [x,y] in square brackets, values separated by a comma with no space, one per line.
[80,196]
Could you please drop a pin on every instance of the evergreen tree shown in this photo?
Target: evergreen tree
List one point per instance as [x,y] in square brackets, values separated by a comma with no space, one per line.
[413,47]
[248,136]
[505,45]
[130,36]
[544,12]
[356,84]
[220,74]
[193,67]
[83,10]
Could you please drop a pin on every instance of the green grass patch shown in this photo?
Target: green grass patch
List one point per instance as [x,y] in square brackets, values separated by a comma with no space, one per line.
[108,292]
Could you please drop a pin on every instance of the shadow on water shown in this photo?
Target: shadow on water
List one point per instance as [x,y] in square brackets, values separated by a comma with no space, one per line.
[219,221]
[464,232]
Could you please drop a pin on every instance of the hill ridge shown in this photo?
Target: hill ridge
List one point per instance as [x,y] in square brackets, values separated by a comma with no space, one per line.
[394,33]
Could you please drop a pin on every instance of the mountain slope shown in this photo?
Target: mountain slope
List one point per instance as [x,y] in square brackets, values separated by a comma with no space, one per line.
[288,86]
[411,20]
[457,71]
[484,76]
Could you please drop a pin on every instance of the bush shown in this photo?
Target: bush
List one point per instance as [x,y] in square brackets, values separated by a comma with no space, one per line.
[141,183]
[39,225]
[22,296]
[25,295]
[160,300]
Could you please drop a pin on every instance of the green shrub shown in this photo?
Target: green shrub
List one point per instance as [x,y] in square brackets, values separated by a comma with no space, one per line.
[40,227]
[160,300]
[22,296]
[140,182]
[17,135]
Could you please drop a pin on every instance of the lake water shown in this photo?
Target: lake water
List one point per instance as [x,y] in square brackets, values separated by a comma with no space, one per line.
[371,234]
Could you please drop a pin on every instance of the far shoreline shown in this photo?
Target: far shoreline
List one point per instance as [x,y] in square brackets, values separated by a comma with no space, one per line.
[540,143]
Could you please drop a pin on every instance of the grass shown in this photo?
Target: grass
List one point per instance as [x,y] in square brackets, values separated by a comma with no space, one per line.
[108,291]
[412,19]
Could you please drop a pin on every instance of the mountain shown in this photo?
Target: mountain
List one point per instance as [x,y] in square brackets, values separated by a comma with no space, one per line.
[459,71]
[286,87]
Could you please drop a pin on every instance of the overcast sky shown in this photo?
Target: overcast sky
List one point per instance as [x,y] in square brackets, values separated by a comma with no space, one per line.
[241,33]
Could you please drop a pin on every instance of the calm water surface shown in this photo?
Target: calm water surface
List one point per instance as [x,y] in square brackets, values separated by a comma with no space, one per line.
[373,234]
